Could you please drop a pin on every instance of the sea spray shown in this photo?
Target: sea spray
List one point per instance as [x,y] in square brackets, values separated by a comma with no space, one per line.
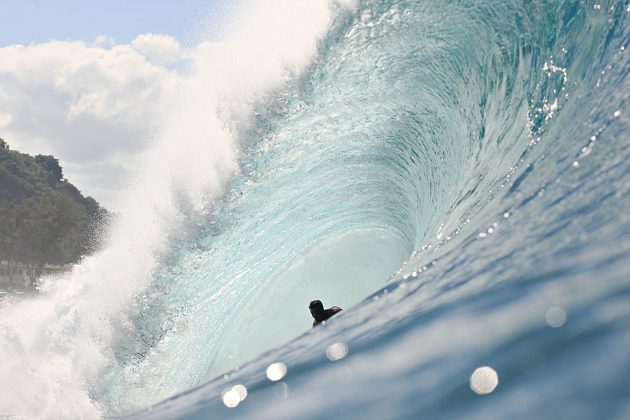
[57,347]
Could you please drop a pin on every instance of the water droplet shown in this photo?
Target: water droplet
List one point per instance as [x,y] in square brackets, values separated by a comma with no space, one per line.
[337,351]
[617,113]
[484,380]
[555,317]
[241,390]
[506,215]
[231,398]
[483,235]
[576,164]
[276,371]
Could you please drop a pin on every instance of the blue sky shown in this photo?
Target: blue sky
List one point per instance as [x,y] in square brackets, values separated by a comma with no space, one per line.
[29,21]
[85,103]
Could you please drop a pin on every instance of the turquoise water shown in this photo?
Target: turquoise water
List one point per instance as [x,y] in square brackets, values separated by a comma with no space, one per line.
[488,143]
[455,176]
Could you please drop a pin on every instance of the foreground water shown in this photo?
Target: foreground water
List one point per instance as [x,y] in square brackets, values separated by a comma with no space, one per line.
[455,175]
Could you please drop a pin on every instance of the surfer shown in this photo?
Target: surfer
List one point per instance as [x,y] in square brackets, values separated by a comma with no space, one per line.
[319,313]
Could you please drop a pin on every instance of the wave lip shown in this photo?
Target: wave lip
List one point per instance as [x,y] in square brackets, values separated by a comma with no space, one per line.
[493,136]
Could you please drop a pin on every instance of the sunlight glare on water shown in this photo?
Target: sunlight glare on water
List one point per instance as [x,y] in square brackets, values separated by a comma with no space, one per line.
[555,317]
[484,380]
[276,371]
[336,351]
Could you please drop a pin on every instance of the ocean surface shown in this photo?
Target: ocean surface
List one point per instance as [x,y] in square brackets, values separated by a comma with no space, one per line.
[455,175]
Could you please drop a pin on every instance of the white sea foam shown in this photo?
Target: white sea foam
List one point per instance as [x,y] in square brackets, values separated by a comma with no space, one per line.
[56,347]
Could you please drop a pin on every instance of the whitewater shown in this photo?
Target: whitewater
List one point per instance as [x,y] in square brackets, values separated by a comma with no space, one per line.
[455,175]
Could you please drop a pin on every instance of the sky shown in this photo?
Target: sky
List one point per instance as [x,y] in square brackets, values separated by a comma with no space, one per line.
[83,80]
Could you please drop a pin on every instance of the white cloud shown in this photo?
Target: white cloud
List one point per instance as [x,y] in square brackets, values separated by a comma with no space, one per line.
[159,49]
[104,41]
[94,105]
[87,105]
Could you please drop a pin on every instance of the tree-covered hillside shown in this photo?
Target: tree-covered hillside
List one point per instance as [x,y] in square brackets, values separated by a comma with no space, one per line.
[44,219]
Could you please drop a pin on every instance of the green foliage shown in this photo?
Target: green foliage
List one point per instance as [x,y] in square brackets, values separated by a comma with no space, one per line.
[44,219]
[7,231]
[21,176]
[49,229]
[51,166]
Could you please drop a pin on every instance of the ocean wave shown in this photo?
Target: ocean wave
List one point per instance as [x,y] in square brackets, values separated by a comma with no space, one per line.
[453,174]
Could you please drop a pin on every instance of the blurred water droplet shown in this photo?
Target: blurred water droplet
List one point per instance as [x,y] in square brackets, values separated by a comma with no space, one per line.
[555,317]
[276,371]
[484,380]
[337,351]
[231,398]
[241,390]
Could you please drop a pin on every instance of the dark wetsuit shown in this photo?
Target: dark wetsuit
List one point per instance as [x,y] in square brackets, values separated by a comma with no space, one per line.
[327,314]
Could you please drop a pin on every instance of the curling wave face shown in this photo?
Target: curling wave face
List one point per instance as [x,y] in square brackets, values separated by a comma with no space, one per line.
[491,139]
[463,164]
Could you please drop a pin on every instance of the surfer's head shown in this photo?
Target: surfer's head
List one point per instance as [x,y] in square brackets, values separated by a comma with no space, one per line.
[317,308]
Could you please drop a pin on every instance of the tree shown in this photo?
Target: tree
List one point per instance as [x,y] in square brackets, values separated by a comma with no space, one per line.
[48,231]
[43,217]
[51,165]
[6,230]
[8,243]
